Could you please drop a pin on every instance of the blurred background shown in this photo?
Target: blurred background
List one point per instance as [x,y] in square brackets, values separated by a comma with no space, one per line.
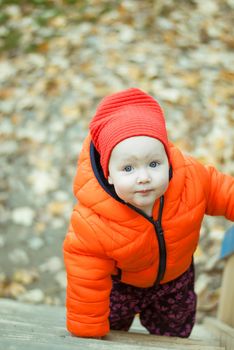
[57,60]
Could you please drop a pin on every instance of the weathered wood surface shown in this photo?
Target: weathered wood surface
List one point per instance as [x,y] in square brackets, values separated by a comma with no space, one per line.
[224,332]
[226,302]
[24,326]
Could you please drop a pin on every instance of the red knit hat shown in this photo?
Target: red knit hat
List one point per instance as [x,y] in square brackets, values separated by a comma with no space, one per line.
[125,114]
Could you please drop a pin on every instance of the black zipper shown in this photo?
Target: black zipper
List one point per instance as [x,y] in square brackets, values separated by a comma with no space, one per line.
[160,237]
[161,244]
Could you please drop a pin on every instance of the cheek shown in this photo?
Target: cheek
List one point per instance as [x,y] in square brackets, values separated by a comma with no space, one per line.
[122,186]
[162,179]
[164,182]
[165,185]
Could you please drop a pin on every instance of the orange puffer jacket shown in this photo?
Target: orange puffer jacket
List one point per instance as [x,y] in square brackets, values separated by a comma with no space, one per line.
[107,236]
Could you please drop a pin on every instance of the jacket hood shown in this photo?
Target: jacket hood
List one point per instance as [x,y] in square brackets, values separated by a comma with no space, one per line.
[92,189]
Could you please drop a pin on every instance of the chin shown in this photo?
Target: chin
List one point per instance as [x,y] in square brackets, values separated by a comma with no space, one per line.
[142,206]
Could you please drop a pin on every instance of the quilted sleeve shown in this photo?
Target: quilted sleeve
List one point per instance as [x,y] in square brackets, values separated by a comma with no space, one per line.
[88,288]
[220,193]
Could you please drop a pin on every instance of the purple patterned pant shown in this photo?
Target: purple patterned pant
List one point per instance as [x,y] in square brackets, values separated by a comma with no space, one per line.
[167,309]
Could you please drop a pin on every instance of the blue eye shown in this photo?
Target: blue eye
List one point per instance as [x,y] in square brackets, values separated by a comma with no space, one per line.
[153,164]
[127,168]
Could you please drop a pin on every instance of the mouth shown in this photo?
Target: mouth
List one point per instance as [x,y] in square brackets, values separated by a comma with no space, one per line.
[144,191]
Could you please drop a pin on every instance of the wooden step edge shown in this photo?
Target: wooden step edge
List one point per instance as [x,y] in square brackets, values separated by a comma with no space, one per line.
[224,332]
[148,340]
[88,344]
[199,334]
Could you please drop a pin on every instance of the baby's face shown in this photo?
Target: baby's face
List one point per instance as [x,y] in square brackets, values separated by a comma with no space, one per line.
[139,171]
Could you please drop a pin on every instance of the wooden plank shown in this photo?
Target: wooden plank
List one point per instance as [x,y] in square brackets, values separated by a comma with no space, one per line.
[87,344]
[164,342]
[24,326]
[38,334]
[199,333]
[40,342]
[7,344]
[41,314]
[223,331]
[226,301]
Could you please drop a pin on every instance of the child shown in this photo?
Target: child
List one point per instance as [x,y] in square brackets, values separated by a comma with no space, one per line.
[136,224]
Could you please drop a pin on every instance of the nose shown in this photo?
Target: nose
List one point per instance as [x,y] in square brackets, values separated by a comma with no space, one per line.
[143,176]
